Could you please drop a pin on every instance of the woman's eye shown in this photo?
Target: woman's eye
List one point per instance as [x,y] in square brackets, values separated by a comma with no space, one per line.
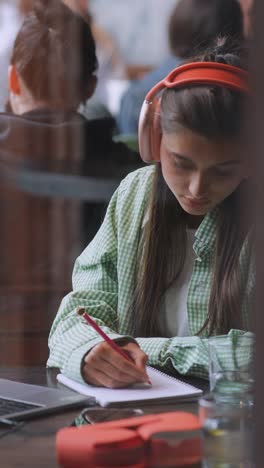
[225,173]
[182,165]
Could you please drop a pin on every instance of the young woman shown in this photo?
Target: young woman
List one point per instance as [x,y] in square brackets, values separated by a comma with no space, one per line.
[171,264]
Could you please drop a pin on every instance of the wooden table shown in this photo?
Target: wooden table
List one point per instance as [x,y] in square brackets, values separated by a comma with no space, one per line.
[34,445]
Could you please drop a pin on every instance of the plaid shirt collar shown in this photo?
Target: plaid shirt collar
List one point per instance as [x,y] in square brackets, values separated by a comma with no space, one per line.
[205,235]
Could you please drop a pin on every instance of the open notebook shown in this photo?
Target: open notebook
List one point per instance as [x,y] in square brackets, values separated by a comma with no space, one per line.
[164,388]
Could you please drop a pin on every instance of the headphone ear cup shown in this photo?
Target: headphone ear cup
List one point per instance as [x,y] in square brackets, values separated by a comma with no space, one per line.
[149,131]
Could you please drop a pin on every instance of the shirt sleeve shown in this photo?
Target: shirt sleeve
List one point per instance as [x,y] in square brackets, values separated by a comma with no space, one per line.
[187,355]
[95,288]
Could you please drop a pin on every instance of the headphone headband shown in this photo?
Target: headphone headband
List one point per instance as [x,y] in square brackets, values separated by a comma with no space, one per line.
[203,73]
[194,73]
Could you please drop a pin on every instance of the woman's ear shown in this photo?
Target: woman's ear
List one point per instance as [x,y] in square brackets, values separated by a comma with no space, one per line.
[13,80]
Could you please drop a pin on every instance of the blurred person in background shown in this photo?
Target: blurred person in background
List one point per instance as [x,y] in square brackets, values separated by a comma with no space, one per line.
[52,71]
[44,141]
[193,24]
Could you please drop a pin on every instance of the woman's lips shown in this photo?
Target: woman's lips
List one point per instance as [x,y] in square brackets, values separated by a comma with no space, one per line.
[196,203]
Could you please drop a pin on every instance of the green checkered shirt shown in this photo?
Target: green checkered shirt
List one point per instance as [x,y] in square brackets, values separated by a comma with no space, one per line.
[103,283]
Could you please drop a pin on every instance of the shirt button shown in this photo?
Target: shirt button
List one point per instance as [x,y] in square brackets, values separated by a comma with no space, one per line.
[198,259]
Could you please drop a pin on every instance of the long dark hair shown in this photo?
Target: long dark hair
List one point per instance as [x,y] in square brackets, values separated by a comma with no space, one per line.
[54,53]
[214,113]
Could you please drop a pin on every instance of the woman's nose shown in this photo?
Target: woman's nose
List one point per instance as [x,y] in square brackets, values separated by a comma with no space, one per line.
[198,186]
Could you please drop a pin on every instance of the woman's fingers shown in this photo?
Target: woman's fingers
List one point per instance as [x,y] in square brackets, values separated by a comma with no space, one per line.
[100,379]
[105,358]
[121,366]
[104,366]
[139,357]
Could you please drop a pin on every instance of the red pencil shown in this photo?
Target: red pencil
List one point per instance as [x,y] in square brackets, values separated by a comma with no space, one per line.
[81,311]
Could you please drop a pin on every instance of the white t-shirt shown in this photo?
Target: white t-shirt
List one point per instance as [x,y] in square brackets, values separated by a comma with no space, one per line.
[173,318]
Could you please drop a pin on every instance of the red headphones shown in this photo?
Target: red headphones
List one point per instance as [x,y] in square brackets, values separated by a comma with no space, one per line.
[195,73]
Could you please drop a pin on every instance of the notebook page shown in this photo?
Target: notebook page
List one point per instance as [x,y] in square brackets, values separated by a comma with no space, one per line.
[163,387]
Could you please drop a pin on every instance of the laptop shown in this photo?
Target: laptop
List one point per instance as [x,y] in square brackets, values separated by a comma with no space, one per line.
[20,401]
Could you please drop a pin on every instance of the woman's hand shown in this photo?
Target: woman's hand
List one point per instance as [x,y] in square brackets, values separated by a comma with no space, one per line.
[104,367]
